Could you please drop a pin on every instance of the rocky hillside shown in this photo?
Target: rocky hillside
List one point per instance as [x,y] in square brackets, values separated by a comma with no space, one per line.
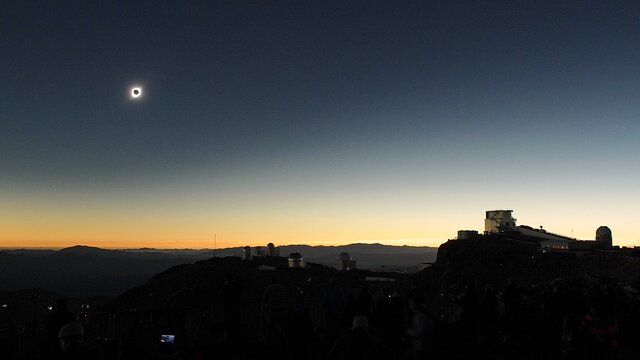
[494,259]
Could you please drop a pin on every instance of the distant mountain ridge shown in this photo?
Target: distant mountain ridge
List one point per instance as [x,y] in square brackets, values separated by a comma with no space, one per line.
[91,271]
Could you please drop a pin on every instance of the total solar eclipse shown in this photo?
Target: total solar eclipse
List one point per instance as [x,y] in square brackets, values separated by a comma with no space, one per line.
[136,92]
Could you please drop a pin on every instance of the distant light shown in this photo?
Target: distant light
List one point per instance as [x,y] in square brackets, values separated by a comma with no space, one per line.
[136,92]
[5,305]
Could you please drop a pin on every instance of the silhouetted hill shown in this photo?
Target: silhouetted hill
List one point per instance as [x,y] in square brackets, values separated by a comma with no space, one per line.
[90,271]
[193,291]
[30,252]
[90,250]
[494,259]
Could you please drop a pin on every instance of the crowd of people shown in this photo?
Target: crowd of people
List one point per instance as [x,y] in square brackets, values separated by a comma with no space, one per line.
[579,319]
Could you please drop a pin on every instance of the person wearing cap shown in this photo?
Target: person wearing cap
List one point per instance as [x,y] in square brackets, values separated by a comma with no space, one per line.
[71,338]
[359,344]
[59,317]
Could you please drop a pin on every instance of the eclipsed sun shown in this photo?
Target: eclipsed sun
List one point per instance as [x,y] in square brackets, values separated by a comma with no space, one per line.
[136,92]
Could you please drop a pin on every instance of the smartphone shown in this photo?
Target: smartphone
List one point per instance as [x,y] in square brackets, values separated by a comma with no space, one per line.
[167,339]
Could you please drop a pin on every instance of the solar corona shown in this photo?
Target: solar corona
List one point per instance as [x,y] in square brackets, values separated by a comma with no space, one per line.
[136,92]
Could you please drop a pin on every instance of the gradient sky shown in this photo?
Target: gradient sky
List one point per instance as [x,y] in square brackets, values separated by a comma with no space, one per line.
[319,122]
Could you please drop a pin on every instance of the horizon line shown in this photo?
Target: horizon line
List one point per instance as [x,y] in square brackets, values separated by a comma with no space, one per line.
[203,248]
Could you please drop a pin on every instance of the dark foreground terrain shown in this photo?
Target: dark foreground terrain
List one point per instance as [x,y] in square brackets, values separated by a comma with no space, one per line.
[488,298]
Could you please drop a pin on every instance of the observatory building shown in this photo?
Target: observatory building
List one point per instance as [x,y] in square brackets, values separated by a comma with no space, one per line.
[604,239]
[272,250]
[345,262]
[501,223]
[246,253]
[496,219]
[296,260]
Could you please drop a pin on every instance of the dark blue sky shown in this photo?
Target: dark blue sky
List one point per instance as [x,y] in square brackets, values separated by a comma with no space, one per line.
[317,91]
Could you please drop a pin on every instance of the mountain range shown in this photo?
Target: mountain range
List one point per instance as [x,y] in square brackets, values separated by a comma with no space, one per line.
[82,271]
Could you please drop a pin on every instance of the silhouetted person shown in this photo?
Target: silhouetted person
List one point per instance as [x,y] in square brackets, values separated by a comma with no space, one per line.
[397,319]
[601,333]
[350,310]
[398,304]
[511,298]
[230,296]
[469,302]
[58,318]
[488,311]
[358,344]
[382,313]
[420,330]
[300,327]
[388,319]
[71,337]
[571,337]
[488,321]
[275,305]
[332,306]
[364,302]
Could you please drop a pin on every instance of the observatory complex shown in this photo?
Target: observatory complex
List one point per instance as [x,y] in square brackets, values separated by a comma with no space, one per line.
[501,223]
[258,251]
[345,262]
[296,260]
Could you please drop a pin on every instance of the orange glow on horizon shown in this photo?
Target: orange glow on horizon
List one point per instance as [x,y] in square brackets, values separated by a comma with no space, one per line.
[181,219]
[193,240]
